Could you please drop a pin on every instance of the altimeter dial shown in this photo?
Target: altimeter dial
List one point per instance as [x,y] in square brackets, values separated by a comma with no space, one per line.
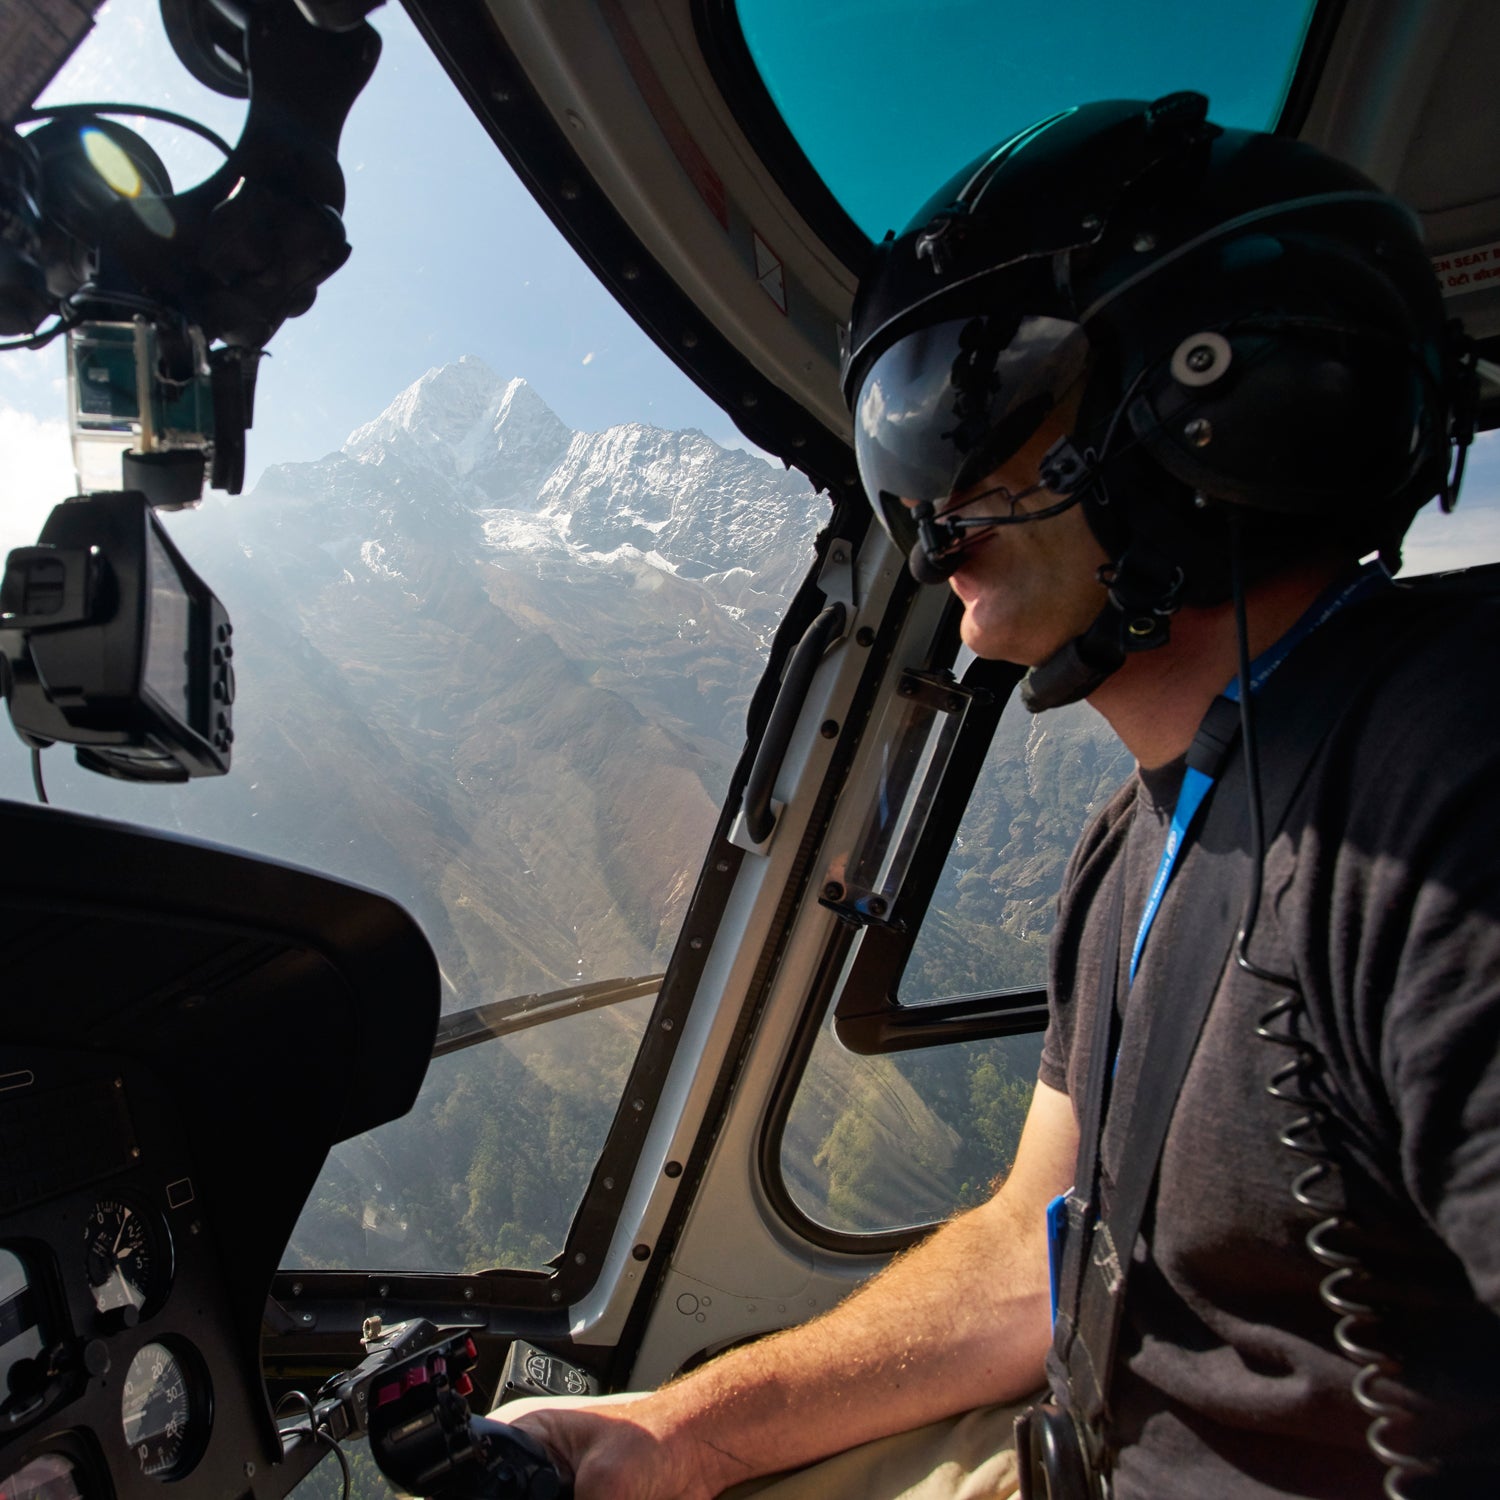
[164,1410]
[128,1252]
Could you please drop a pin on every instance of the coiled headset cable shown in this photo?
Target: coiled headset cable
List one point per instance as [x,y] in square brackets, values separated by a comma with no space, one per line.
[1319,1187]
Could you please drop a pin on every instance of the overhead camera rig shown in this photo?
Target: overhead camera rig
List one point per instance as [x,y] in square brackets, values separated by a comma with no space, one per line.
[167,301]
[91,230]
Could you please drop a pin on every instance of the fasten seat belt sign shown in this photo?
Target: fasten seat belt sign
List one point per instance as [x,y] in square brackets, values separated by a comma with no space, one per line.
[1472,270]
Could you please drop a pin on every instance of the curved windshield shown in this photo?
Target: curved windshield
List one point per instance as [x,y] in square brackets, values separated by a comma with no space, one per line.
[920,89]
[502,581]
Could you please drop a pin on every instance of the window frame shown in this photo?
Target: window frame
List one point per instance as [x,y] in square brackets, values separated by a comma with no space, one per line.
[860,973]
[721,39]
[535,1303]
[870,1016]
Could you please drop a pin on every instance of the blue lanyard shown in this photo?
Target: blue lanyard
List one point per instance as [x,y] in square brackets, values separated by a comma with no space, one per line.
[1196,784]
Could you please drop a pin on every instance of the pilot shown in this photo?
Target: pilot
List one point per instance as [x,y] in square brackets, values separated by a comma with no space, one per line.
[1144,392]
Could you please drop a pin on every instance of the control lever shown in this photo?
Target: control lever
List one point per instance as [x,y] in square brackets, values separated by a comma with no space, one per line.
[409,1397]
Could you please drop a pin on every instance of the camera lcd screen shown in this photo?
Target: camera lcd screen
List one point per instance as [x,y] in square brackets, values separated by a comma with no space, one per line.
[168,670]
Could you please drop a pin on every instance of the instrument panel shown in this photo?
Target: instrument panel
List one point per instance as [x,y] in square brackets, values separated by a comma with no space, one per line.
[186,1031]
[120,1367]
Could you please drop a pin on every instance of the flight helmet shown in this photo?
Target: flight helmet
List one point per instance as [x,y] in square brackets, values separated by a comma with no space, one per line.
[1243,337]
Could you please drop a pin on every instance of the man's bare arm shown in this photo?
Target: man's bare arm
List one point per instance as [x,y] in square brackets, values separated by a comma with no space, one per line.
[962,1320]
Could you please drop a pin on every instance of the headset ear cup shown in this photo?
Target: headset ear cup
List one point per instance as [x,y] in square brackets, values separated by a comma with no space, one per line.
[1290,373]
[1296,428]
[1311,446]
[1333,415]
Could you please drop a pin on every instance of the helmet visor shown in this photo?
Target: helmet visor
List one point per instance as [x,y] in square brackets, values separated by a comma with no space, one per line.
[945,406]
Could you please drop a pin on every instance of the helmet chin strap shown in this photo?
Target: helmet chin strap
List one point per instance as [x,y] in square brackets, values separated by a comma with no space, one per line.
[1144,593]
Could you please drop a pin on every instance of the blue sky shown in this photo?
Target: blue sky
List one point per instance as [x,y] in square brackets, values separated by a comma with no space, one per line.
[450,256]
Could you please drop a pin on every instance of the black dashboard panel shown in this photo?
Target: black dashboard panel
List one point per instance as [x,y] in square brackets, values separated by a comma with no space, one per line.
[124,1278]
[184,1033]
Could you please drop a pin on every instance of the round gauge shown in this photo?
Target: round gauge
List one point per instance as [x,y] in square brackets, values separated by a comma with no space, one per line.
[165,1410]
[129,1256]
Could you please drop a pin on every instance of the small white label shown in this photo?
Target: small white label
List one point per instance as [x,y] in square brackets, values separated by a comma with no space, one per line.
[1472,270]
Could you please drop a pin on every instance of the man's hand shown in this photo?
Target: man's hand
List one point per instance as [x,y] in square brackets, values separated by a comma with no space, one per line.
[615,1451]
[963,1320]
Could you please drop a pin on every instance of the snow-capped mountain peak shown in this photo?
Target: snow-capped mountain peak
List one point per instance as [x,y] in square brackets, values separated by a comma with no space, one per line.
[482,462]
[492,440]
[437,410]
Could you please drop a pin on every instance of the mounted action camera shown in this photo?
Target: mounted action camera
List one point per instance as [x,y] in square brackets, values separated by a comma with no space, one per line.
[111,643]
[108,639]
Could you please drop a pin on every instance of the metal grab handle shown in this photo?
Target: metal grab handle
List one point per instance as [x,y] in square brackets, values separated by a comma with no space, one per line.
[827,628]
[481,1023]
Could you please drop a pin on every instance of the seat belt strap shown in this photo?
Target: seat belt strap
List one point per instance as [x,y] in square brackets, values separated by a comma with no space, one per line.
[1076,1203]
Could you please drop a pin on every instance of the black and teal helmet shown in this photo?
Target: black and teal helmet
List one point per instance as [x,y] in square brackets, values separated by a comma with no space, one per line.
[1255,327]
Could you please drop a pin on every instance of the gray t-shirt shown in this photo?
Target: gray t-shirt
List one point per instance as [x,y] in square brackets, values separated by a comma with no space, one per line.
[1381,894]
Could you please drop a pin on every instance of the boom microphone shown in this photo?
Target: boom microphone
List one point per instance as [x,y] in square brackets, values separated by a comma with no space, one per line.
[937,553]
[927,567]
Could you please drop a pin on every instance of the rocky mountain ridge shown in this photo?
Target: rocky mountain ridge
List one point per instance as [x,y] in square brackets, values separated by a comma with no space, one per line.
[499,670]
[481,465]
[493,667]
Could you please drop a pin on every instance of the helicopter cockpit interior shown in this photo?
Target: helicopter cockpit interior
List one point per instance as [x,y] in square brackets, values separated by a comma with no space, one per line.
[534,893]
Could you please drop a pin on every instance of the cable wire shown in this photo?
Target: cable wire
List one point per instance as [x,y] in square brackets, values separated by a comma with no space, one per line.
[141,111]
[324,1436]
[36,774]
[307,1408]
[76,302]
[1252,768]
[89,294]
[319,1433]
[1319,1188]
[42,339]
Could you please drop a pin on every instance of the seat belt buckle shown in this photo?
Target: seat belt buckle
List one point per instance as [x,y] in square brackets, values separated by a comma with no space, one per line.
[1050,1459]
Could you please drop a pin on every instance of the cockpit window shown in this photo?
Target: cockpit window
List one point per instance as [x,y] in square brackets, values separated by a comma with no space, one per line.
[502,582]
[1469,536]
[989,920]
[887,100]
